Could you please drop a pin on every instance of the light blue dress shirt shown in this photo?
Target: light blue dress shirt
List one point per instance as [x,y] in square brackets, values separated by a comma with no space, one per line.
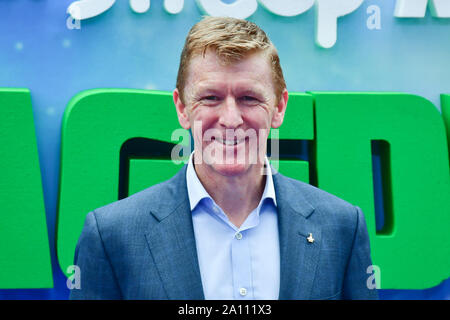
[236,263]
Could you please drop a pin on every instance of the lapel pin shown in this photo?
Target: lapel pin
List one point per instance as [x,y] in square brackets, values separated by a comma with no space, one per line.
[310,238]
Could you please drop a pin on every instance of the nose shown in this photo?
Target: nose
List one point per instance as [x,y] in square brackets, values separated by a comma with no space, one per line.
[230,115]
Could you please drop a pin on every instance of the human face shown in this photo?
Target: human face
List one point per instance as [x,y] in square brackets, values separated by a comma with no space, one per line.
[231,108]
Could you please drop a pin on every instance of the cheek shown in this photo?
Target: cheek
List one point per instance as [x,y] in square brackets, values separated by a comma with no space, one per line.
[201,121]
[258,119]
[208,119]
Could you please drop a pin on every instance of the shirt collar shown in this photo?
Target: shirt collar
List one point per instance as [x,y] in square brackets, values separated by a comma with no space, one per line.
[197,192]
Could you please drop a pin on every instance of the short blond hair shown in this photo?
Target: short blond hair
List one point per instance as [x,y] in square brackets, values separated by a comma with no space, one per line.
[232,40]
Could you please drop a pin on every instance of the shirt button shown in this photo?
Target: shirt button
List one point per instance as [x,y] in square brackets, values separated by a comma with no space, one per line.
[238,236]
[243,291]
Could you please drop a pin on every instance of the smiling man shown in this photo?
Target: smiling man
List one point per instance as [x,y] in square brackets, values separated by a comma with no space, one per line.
[235,104]
[226,227]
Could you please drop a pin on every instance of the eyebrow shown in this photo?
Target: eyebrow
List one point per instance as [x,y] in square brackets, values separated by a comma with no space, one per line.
[251,87]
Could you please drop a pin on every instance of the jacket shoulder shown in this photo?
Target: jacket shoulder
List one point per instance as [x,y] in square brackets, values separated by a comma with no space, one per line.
[328,208]
[137,208]
[318,198]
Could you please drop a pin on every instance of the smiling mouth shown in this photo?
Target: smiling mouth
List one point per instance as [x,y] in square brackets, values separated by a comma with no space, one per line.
[229,142]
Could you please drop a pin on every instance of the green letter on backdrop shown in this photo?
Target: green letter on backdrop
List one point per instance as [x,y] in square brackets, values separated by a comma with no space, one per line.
[413,253]
[24,248]
[445,105]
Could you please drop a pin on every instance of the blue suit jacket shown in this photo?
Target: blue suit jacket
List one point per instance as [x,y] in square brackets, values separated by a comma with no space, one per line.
[143,247]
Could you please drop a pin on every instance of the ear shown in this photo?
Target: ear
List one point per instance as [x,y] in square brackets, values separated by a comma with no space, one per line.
[182,112]
[278,115]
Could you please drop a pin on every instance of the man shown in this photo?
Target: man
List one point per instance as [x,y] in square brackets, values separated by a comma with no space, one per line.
[225,227]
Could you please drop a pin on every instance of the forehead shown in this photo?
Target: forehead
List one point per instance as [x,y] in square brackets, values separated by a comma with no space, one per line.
[252,70]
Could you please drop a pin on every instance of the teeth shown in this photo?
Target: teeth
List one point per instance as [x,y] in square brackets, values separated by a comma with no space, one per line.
[229,142]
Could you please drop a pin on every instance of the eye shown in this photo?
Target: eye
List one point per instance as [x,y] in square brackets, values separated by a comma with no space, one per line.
[249,99]
[210,98]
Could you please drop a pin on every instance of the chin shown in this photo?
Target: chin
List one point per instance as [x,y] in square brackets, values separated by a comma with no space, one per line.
[231,170]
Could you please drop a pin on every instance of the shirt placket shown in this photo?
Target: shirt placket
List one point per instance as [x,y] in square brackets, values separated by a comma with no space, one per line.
[241,267]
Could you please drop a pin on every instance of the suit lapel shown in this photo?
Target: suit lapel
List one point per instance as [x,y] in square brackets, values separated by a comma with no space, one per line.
[298,256]
[172,244]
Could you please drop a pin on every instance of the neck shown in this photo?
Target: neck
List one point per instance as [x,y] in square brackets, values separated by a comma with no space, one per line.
[237,195]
